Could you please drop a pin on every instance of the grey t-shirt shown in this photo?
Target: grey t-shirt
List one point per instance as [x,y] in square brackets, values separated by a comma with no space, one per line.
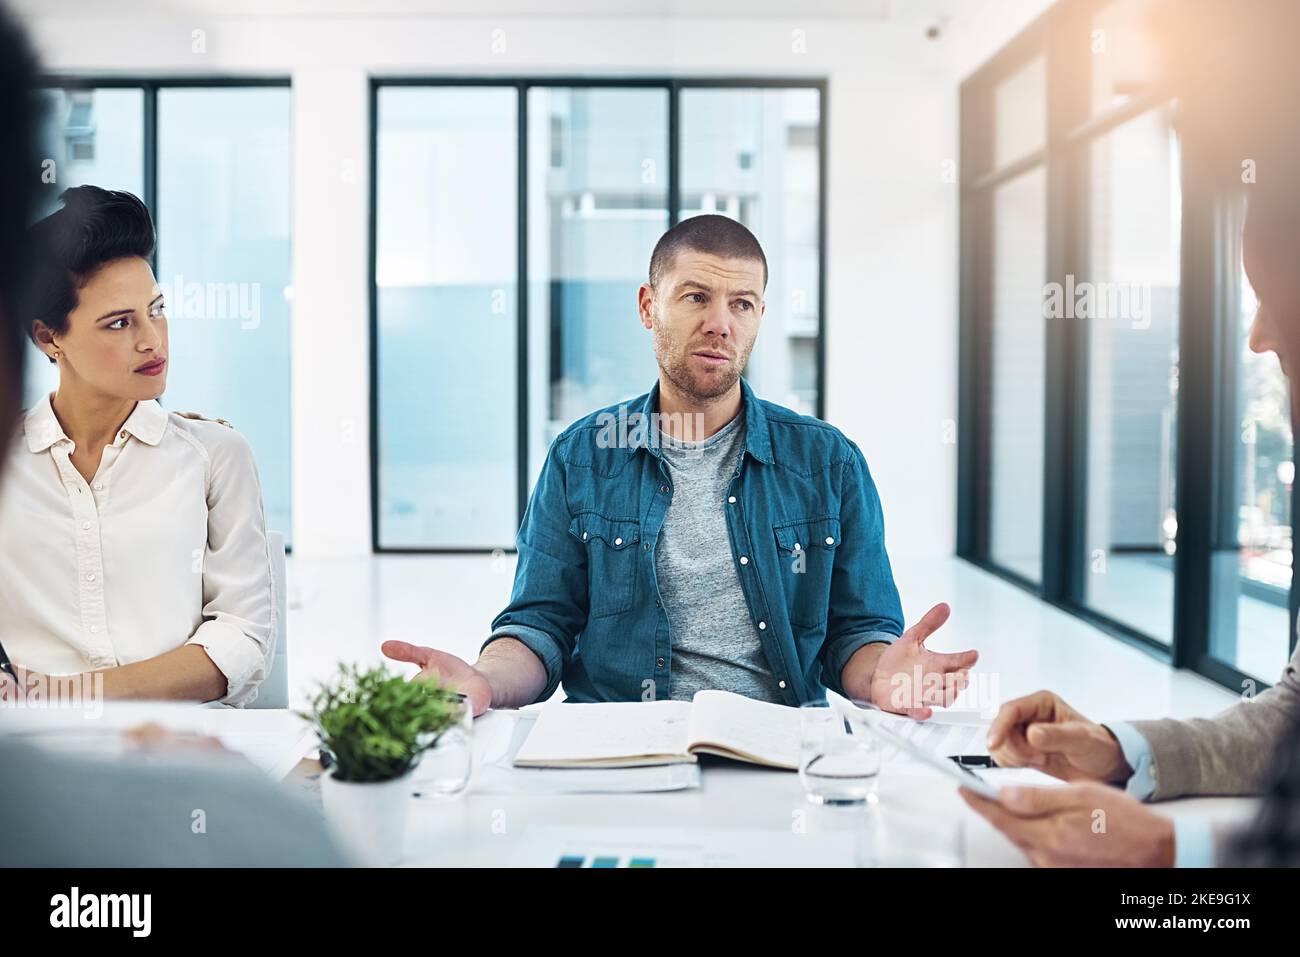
[715,643]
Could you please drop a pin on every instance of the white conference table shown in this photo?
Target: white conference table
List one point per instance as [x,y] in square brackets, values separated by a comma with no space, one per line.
[488,826]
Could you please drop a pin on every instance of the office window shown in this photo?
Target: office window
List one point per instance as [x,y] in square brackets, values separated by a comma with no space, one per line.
[1004,246]
[1251,623]
[1167,459]
[1018,346]
[224,225]
[445,275]
[1132,326]
[516,218]
[92,136]
[1132,331]
[754,155]
[598,202]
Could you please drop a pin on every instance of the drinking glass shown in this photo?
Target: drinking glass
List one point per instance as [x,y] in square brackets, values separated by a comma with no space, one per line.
[839,761]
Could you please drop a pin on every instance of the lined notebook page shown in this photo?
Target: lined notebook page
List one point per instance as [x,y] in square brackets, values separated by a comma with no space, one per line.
[622,729]
[765,730]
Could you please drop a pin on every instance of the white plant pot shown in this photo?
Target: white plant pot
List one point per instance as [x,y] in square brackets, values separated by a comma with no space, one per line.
[368,819]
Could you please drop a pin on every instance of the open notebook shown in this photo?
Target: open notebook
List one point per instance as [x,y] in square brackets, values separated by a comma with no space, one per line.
[629,734]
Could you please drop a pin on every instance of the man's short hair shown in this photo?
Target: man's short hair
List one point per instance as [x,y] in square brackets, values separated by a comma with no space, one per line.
[94,227]
[710,234]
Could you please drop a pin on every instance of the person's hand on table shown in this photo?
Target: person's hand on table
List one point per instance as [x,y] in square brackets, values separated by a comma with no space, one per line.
[1042,731]
[943,676]
[1079,825]
[152,741]
[446,669]
[152,736]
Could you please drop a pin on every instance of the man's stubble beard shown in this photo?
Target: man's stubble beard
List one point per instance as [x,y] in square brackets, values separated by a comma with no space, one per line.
[676,368]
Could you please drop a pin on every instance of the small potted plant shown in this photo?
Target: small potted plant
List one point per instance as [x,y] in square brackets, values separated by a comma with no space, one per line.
[374,725]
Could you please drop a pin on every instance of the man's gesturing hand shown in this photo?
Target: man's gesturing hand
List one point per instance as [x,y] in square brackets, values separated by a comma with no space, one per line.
[447,669]
[1042,731]
[909,678]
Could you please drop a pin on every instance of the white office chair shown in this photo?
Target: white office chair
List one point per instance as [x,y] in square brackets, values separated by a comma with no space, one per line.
[274,691]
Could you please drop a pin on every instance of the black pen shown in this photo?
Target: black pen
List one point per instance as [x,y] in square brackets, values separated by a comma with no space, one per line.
[974,760]
[5,665]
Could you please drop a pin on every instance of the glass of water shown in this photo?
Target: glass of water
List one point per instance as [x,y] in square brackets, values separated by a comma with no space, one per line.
[444,770]
[839,762]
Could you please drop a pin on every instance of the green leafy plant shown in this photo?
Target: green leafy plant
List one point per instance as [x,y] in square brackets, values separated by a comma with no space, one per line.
[375,724]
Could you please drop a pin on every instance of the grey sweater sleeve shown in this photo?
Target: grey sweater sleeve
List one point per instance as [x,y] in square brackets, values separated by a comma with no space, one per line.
[61,811]
[1229,754]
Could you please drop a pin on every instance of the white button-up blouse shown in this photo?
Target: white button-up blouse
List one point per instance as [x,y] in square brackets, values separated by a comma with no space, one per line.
[166,546]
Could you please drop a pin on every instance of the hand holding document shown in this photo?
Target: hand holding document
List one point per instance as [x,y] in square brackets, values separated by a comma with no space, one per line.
[878,724]
[948,734]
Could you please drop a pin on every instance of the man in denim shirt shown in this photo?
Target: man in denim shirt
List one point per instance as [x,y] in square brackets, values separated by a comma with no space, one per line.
[699,537]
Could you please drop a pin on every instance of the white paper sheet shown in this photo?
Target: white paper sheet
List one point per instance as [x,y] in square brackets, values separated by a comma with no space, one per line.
[589,732]
[944,734]
[498,736]
[758,728]
[679,847]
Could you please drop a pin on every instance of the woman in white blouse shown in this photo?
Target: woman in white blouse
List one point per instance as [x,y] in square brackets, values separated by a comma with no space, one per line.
[132,540]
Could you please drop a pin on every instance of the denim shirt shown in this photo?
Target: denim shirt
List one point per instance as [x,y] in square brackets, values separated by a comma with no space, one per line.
[805,531]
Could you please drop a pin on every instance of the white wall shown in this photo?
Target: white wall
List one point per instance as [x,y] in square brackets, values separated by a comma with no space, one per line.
[892,229]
